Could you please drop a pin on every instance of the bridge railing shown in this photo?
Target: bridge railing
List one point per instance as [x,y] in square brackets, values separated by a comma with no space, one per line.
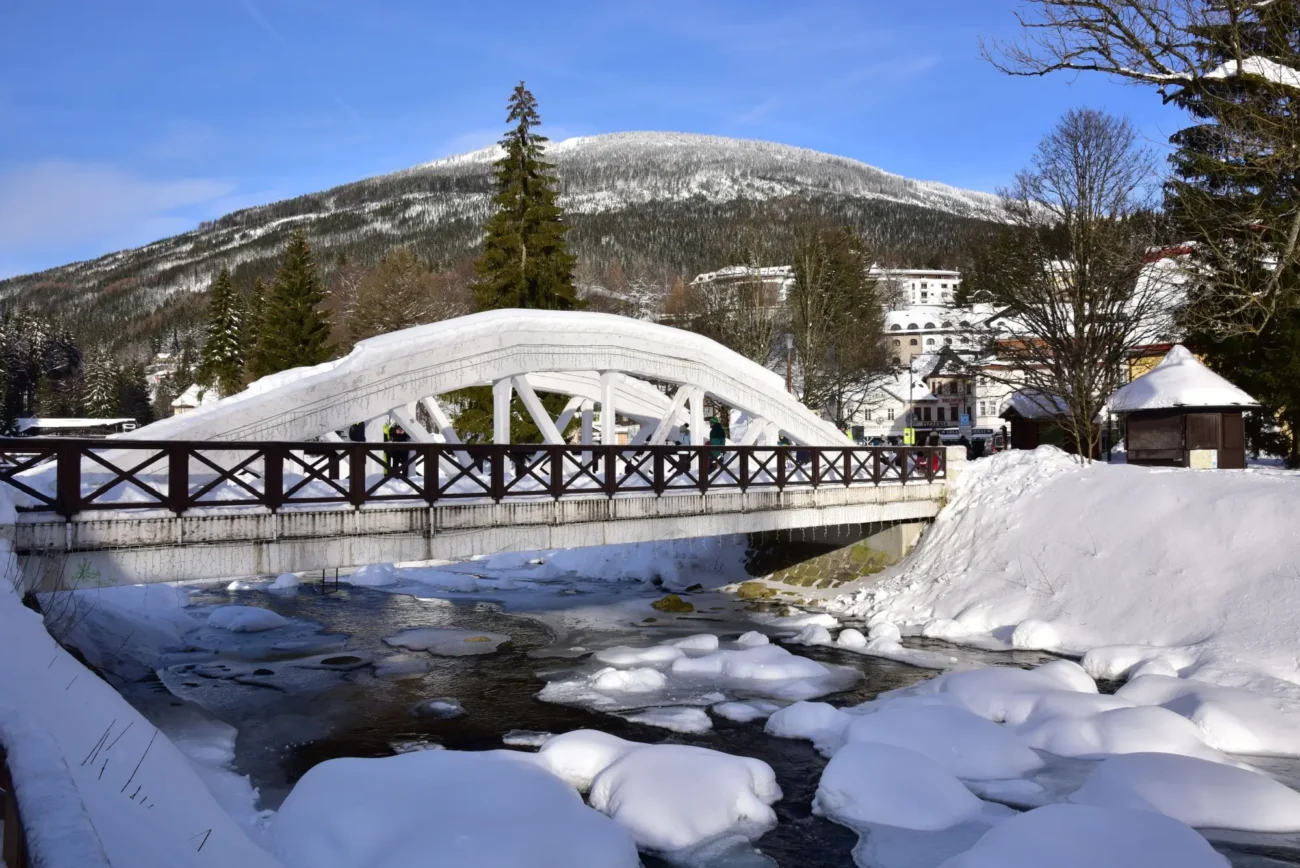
[69,476]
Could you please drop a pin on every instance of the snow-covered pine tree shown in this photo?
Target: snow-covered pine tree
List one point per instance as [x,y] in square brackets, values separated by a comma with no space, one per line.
[525,260]
[294,328]
[223,350]
[133,393]
[254,305]
[99,398]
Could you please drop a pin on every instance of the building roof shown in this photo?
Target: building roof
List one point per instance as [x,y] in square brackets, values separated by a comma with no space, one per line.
[51,423]
[1033,404]
[1180,380]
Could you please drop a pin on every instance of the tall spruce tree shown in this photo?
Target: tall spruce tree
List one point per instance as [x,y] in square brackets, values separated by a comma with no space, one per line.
[223,349]
[99,398]
[525,261]
[293,328]
[133,393]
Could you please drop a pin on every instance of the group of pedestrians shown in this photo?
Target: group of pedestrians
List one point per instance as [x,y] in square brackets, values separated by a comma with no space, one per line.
[396,462]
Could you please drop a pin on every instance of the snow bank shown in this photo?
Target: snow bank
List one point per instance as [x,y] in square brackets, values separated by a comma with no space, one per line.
[1197,792]
[745,712]
[818,722]
[622,655]
[125,630]
[1119,731]
[1082,557]
[577,757]
[373,576]
[443,808]
[59,831]
[628,680]
[244,619]
[677,797]
[867,783]
[284,582]
[143,797]
[676,564]
[447,642]
[1078,836]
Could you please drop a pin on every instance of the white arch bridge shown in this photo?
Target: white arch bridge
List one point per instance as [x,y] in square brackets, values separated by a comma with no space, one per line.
[272,479]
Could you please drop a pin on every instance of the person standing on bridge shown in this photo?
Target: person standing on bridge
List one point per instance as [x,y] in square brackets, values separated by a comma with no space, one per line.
[401,458]
[717,437]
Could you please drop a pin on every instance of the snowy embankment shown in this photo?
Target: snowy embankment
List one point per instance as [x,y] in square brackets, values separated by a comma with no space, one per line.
[1139,571]
[109,774]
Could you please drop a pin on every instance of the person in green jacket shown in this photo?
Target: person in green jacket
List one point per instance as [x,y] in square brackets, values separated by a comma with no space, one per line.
[717,437]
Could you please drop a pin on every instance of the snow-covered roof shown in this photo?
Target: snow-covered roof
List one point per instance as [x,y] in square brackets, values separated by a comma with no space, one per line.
[1180,380]
[47,422]
[1034,404]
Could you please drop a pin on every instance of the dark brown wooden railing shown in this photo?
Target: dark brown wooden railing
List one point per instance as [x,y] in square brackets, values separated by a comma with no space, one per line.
[13,840]
[69,476]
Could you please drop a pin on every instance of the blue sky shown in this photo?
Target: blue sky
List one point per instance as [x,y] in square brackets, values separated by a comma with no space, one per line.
[123,122]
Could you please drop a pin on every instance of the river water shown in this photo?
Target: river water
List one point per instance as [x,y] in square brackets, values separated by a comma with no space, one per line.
[315,697]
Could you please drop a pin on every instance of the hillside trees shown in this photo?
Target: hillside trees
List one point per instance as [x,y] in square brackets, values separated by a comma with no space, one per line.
[400,292]
[293,329]
[100,399]
[525,260]
[222,363]
[836,321]
[1070,274]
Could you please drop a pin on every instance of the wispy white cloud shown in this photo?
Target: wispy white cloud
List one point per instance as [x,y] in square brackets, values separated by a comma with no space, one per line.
[54,207]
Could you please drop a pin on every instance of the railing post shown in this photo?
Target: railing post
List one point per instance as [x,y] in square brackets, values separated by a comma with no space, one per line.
[611,470]
[431,455]
[930,455]
[816,467]
[556,454]
[178,477]
[67,469]
[497,483]
[875,465]
[357,475]
[657,463]
[744,468]
[273,476]
[705,457]
[904,463]
[848,468]
[781,455]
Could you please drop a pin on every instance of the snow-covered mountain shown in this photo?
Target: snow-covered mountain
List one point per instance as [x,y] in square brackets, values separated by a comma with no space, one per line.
[657,203]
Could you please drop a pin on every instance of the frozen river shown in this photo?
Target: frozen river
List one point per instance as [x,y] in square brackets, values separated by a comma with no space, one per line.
[324,686]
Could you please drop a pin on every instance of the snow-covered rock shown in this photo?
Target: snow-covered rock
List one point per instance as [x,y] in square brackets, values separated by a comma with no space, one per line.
[752,638]
[698,642]
[372,576]
[244,619]
[688,720]
[284,582]
[624,656]
[447,642]
[429,809]
[1119,731]
[1079,836]
[644,680]
[867,783]
[677,797]
[965,744]
[745,712]
[1195,791]
[1232,720]
[818,722]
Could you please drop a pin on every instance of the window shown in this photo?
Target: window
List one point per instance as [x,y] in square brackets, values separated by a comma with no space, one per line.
[943,286]
[911,326]
[912,342]
[947,342]
[897,342]
[889,414]
[952,387]
[929,326]
[895,327]
[897,361]
[925,414]
[925,296]
[938,414]
[983,408]
[925,285]
[970,388]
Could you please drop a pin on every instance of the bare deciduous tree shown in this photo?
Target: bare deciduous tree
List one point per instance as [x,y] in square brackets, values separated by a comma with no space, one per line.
[1248,255]
[401,291]
[1072,277]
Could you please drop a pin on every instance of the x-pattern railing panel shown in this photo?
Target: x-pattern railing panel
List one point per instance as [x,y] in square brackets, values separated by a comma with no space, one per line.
[125,474]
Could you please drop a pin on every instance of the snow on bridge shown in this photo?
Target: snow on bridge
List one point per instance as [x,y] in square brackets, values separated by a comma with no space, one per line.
[263,481]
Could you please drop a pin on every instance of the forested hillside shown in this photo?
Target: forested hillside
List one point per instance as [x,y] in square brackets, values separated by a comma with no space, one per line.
[647,207]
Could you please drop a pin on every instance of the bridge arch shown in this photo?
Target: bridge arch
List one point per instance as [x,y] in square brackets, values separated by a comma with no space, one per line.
[596,359]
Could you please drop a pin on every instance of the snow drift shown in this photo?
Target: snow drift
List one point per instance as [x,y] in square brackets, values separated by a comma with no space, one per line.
[1143,570]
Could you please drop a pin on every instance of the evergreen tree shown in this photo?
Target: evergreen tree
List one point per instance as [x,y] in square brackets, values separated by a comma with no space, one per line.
[294,329]
[100,396]
[223,350]
[133,393]
[251,331]
[526,262]
[1235,188]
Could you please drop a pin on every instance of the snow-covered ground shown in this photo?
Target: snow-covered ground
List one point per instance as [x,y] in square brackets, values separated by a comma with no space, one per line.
[1138,571]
